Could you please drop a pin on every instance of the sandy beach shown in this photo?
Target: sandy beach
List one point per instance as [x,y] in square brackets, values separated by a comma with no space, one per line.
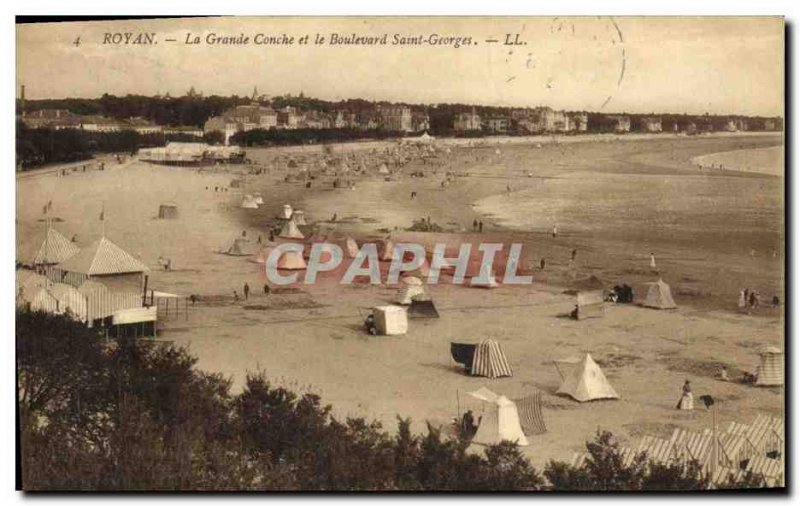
[614,201]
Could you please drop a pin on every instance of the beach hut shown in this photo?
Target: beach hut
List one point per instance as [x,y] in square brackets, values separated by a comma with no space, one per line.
[168,211]
[108,263]
[658,296]
[588,305]
[770,371]
[390,320]
[583,380]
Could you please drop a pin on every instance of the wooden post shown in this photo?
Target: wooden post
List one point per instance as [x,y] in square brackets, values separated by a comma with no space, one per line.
[144,293]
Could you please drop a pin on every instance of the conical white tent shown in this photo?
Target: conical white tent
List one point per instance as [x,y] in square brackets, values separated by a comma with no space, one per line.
[299,217]
[658,296]
[770,371]
[583,380]
[499,422]
[249,202]
[291,261]
[290,231]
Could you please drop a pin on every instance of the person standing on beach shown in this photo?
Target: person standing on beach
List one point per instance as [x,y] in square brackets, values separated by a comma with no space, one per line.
[542,264]
[742,299]
[246,291]
[555,231]
[480,226]
[652,261]
[574,254]
[474,224]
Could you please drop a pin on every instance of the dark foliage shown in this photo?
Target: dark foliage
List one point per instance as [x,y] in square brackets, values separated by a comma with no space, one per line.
[41,146]
[136,415]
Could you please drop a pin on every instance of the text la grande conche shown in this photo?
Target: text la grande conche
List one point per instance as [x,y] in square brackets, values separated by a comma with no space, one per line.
[283,39]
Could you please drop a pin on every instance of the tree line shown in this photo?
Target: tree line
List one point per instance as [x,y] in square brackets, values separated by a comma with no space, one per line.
[96,414]
[42,146]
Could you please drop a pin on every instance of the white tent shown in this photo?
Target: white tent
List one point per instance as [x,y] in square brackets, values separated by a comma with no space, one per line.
[589,304]
[290,231]
[658,296]
[286,212]
[499,422]
[249,202]
[411,289]
[583,380]
[292,261]
[770,372]
[299,217]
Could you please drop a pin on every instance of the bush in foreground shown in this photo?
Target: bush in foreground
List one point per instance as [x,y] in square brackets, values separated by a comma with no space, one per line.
[137,415]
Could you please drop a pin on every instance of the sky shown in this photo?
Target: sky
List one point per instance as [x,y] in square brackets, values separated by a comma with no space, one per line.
[691,65]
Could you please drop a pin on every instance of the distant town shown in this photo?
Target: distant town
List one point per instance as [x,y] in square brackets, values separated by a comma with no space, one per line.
[287,119]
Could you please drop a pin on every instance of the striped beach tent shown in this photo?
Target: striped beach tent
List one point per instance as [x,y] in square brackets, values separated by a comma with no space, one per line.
[490,361]
[770,372]
[530,414]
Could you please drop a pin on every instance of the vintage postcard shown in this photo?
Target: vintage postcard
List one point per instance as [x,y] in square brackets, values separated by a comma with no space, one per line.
[537,254]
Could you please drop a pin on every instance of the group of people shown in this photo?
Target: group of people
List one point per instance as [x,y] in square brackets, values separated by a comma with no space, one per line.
[246,291]
[477,225]
[749,299]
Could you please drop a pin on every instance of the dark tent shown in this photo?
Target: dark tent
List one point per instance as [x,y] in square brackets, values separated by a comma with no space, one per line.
[422,309]
[463,354]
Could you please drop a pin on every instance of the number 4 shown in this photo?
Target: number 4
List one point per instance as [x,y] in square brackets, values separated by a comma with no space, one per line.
[77,42]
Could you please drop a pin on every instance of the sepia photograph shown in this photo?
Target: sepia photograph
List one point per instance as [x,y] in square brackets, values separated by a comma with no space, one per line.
[537,254]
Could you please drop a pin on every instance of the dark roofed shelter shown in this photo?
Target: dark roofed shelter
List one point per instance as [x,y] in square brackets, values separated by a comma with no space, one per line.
[168,211]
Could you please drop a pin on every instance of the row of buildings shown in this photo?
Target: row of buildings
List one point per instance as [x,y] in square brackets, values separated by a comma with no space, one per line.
[62,119]
[540,119]
[243,118]
[395,118]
